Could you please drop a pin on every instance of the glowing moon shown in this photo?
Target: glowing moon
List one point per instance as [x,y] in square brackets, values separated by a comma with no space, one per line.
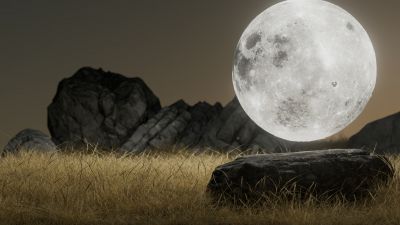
[304,69]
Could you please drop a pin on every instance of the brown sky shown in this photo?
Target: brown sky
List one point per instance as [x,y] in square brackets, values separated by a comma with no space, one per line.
[181,48]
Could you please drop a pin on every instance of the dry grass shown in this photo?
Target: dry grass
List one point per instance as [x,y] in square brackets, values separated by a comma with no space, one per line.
[76,188]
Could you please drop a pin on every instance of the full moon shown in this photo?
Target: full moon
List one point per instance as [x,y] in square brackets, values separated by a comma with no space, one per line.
[304,69]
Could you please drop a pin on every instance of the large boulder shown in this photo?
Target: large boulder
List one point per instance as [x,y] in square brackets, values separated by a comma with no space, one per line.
[30,139]
[381,136]
[99,108]
[351,173]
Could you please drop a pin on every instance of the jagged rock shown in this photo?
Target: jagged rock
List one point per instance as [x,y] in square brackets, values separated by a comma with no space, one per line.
[351,172]
[160,131]
[30,139]
[232,128]
[100,108]
[209,137]
[381,136]
[201,114]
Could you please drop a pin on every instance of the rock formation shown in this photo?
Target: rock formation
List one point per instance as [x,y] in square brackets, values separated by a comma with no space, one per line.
[352,173]
[232,128]
[381,136]
[201,115]
[161,130]
[115,112]
[30,139]
[178,124]
[100,108]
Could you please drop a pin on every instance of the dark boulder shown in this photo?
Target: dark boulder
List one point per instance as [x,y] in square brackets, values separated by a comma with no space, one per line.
[381,136]
[352,173]
[30,139]
[100,108]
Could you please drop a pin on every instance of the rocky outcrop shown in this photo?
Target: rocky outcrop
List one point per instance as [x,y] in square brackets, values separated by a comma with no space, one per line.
[161,130]
[234,129]
[201,114]
[30,139]
[100,108]
[381,136]
[351,173]
[202,126]
[223,131]
[177,125]
[114,112]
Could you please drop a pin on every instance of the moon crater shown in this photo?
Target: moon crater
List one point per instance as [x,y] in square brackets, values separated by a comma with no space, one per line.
[252,40]
[291,113]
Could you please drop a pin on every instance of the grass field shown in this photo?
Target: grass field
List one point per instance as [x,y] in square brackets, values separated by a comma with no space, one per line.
[78,188]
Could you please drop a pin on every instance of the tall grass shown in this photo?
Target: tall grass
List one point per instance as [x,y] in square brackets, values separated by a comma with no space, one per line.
[78,188]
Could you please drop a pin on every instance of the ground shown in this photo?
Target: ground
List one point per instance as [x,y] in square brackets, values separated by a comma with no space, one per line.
[107,188]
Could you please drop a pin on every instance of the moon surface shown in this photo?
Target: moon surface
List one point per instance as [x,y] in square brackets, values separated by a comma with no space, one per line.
[304,69]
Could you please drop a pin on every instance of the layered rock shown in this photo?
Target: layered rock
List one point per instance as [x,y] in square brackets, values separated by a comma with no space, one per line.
[177,125]
[202,126]
[381,136]
[30,139]
[161,130]
[351,173]
[100,108]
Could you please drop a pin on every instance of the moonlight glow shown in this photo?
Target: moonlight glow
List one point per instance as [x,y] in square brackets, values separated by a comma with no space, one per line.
[304,69]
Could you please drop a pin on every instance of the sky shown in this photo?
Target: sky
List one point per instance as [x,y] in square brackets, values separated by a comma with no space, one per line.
[182,49]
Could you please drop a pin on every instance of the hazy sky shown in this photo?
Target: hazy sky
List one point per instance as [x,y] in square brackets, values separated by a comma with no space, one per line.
[181,48]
